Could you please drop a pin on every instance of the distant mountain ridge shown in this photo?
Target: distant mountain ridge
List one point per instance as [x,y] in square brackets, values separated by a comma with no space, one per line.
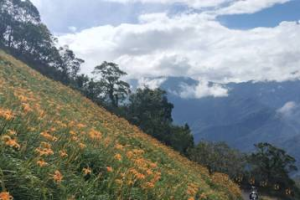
[251,113]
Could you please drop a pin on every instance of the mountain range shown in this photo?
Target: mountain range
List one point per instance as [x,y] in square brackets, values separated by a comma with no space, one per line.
[248,113]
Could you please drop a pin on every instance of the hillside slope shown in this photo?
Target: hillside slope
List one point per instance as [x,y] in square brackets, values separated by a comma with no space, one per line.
[56,144]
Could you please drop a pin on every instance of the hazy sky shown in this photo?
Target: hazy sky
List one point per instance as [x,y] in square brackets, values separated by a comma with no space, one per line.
[211,40]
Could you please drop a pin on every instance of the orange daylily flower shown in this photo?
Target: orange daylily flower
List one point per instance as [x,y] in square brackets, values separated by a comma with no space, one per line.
[87,171]
[48,136]
[41,163]
[44,151]
[6,114]
[82,146]
[12,132]
[109,169]
[63,154]
[95,135]
[5,196]
[11,142]
[57,176]
[118,157]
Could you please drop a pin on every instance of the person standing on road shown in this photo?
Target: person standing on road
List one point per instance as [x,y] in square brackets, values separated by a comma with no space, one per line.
[253,195]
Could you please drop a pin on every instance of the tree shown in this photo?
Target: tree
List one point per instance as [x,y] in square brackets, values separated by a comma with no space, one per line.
[81,82]
[69,64]
[25,37]
[219,157]
[151,111]
[181,138]
[113,89]
[15,15]
[5,19]
[272,164]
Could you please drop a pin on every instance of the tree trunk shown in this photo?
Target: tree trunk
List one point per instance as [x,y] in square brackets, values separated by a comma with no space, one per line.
[10,38]
[111,96]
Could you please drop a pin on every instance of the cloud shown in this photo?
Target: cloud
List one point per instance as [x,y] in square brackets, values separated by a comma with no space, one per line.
[192,3]
[220,7]
[203,89]
[248,6]
[83,14]
[59,15]
[151,83]
[288,109]
[37,3]
[192,45]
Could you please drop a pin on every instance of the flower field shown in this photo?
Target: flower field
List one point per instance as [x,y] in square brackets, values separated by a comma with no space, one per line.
[56,144]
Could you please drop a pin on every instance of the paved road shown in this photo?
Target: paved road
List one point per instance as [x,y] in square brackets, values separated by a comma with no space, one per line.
[245,195]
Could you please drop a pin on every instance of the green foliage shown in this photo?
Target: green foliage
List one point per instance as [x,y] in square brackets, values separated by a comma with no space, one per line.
[181,138]
[269,168]
[23,35]
[219,157]
[152,112]
[112,88]
[69,65]
[272,165]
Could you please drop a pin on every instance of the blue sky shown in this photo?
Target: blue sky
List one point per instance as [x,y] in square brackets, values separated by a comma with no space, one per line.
[269,17]
[90,13]
[208,40]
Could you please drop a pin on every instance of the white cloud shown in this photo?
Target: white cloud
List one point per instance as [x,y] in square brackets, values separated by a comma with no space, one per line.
[90,13]
[248,6]
[37,3]
[203,89]
[288,108]
[59,15]
[194,46]
[221,7]
[151,83]
[191,3]
[188,44]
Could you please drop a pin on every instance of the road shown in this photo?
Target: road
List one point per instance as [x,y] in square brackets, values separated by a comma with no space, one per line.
[245,195]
